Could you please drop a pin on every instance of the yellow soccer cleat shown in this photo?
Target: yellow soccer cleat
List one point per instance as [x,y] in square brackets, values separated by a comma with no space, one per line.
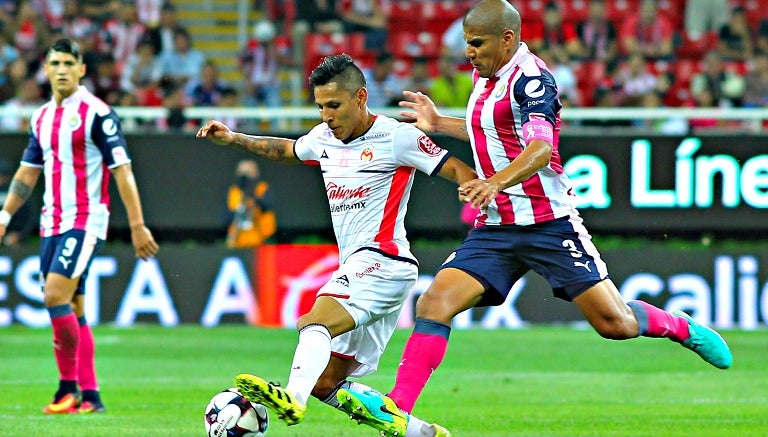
[272,396]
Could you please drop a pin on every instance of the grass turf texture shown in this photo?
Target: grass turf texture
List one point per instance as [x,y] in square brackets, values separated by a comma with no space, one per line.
[543,381]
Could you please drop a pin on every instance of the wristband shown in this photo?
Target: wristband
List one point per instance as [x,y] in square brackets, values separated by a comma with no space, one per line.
[5,217]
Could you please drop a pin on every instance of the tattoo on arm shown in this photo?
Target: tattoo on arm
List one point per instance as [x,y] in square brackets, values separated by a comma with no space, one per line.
[267,147]
[20,189]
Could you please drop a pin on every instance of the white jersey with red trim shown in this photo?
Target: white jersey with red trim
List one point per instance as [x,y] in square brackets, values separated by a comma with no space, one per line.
[368,181]
[505,113]
[75,144]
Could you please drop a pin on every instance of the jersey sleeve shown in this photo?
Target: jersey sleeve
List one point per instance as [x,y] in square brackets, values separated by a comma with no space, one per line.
[414,148]
[537,98]
[108,137]
[33,153]
[306,147]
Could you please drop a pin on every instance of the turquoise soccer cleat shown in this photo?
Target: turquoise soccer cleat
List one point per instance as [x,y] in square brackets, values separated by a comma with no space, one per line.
[707,343]
[375,410]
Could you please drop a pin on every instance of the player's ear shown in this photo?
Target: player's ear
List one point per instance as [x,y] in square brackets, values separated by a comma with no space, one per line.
[362,97]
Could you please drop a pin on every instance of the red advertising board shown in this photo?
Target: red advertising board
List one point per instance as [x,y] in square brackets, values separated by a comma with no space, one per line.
[287,279]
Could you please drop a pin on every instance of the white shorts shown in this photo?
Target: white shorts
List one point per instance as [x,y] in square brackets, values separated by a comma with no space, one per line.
[372,288]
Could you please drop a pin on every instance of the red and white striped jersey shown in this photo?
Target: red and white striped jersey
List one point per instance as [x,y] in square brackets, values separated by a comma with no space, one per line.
[504,113]
[75,144]
[368,181]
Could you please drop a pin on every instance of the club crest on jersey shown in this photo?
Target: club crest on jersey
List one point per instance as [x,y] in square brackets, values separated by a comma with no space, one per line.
[500,91]
[428,146]
[367,154]
[75,121]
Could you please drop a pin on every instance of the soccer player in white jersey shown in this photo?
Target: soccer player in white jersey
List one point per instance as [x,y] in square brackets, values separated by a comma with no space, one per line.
[76,142]
[526,219]
[368,163]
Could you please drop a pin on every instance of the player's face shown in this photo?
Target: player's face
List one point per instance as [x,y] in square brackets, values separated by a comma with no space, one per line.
[487,52]
[344,112]
[64,72]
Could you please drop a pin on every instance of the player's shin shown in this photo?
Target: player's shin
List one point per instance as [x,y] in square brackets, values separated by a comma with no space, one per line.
[423,353]
[313,352]
[655,322]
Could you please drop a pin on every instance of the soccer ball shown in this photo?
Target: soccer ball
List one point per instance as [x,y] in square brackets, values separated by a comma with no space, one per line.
[229,414]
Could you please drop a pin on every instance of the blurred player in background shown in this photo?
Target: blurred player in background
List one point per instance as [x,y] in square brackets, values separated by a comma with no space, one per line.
[368,163]
[526,221]
[74,138]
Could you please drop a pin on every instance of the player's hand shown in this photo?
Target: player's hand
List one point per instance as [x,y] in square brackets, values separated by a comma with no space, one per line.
[479,192]
[143,242]
[217,132]
[423,114]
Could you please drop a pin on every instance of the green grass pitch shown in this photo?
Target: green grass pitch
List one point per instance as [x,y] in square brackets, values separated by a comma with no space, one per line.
[542,381]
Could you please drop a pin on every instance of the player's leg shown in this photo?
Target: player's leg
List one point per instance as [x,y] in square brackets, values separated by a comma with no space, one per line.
[86,362]
[326,319]
[612,318]
[451,292]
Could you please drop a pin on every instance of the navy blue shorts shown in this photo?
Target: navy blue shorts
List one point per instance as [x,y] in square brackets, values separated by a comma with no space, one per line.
[69,254]
[560,250]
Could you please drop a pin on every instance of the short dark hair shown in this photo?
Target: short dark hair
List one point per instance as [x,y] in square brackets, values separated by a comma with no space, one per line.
[66,45]
[340,69]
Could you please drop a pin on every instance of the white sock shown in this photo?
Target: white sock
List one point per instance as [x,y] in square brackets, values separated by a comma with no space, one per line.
[309,361]
[355,386]
[419,428]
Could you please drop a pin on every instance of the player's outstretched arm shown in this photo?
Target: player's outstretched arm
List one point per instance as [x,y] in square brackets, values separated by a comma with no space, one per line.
[23,182]
[425,116]
[274,148]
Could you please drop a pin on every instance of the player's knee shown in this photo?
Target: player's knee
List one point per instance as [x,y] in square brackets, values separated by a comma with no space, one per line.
[435,306]
[616,327]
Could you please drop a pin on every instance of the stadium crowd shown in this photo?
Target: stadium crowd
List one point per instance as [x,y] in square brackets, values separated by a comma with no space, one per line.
[606,53]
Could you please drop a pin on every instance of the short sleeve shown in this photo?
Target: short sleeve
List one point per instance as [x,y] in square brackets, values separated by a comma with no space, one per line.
[108,137]
[414,148]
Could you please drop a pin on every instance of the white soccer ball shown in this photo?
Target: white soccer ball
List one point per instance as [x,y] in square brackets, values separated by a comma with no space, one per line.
[229,414]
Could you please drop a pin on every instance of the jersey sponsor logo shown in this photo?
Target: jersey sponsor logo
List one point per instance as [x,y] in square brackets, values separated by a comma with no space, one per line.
[373,136]
[534,89]
[428,146]
[368,270]
[109,127]
[119,154]
[74,122]
[367,154]
[341,192]
[344,207]
[535,102]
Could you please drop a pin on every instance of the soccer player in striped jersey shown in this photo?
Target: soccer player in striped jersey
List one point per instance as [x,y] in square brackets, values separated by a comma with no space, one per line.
[368,163]
[75,141]
[526,219]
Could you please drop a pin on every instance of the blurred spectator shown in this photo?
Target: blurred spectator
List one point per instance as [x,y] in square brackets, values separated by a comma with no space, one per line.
[229,99]
[8,11]
[252,219]
[647,32]
[319,16]
[174,100]
[15,73]
[24,222]
[366,16]
[8,53]
[162,35]
[668,126]
[565,78]
[105,82]
[31,33]
[715,85]
[74,24]
[635,81]
[555,35]
[418,78]
[51,10]
[384,88]
[735,40]
[183,63]
[705,16]
[29,93]
[598,34]
[142,70]
[756,83]
[453,44]
[149,11]
[100,11]
[123,33]
[450,88]
[259,61]
[207,90]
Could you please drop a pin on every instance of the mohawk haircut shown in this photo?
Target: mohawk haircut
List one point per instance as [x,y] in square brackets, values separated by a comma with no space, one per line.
[65,45]
[340,69]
